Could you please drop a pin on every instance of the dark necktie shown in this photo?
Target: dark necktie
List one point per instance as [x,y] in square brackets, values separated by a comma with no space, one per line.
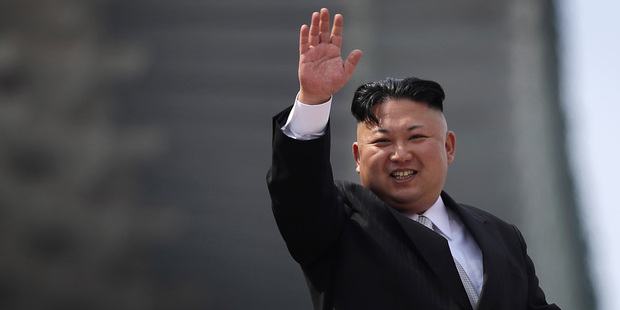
[469,287]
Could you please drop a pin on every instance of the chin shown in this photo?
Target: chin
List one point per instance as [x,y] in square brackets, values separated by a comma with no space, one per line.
[407,209]
[402,204]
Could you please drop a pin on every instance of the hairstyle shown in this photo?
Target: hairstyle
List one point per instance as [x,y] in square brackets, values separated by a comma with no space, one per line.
[374,93]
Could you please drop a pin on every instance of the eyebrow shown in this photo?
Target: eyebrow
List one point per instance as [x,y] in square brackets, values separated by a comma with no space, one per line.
[414,127]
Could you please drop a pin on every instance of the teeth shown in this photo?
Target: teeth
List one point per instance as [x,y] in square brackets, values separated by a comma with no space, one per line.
[402,174]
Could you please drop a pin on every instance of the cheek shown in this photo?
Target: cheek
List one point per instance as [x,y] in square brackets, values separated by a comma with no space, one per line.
[372,159]
[371,162]
[434,155]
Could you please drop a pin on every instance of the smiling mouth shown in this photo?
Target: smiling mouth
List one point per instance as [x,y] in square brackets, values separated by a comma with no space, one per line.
[401,175]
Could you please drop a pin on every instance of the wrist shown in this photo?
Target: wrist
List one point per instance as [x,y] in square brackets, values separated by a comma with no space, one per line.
[312,99]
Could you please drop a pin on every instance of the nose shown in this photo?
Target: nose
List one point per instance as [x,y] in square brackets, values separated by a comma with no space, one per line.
[401,153]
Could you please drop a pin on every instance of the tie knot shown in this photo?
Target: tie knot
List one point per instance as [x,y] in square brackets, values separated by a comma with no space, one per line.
[425,221]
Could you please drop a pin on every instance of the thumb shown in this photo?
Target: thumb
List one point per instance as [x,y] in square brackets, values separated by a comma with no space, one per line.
[351,62]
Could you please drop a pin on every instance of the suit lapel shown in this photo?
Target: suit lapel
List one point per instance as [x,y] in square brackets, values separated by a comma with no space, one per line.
[434,249]
[493,252]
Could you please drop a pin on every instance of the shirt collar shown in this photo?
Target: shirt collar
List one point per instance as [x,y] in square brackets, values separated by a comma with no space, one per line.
[438,214]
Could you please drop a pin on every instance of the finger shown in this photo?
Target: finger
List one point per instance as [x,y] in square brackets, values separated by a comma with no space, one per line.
[324,26]
[351,62]
[336,37]
[304,45]
[314,29]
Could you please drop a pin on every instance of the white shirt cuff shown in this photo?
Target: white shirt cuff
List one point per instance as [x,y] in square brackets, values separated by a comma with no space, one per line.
[306,122]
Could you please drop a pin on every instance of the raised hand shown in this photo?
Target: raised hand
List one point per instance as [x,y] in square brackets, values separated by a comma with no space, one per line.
[322,72]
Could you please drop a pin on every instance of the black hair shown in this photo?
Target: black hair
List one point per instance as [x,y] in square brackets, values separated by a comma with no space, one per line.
[374,93]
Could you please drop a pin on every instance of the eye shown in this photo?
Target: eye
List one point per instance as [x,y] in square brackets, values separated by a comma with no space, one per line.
[415,137]
[380,141]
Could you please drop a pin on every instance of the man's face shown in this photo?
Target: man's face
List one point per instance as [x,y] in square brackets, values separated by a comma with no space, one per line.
[404,160]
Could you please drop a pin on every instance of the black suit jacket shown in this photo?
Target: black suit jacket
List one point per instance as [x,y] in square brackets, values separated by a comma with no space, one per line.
[358,253]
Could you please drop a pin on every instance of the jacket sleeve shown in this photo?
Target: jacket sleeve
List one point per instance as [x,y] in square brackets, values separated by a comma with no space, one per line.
[306,204]
[536,296]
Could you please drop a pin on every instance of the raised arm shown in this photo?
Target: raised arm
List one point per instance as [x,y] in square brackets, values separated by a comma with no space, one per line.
[322,71]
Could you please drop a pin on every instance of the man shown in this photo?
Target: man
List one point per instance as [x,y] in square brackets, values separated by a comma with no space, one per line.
[397,241]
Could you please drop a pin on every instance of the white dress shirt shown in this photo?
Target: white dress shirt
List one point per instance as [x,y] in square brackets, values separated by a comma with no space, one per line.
[462,245]
[306,122]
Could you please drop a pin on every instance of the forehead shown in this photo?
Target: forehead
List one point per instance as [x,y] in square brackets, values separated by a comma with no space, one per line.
[406,110]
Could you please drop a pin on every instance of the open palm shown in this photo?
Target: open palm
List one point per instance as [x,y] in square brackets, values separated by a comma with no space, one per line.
[322,71]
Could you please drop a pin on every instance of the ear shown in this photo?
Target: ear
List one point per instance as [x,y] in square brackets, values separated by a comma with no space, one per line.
[450,146]
[356,156]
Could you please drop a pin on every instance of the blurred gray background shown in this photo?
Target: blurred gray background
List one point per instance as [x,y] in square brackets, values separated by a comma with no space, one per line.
[135,138]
